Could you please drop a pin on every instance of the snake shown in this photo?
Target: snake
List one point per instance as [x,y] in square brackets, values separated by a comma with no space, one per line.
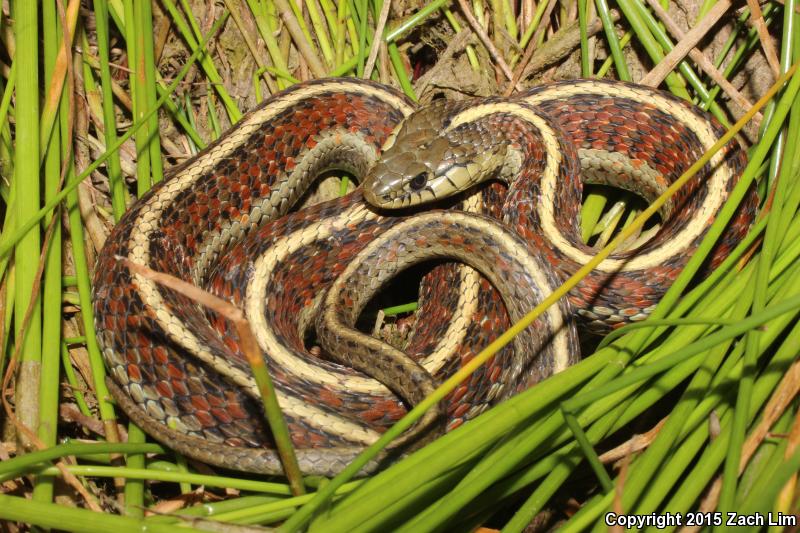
[508,174]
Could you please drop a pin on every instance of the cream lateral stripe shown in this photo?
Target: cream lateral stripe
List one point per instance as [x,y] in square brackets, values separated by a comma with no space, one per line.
[506,242]
[695,226]
[392,138]
[468,279]
[256,303]
[552,149]
[256,299]
[561,344]
[148,221]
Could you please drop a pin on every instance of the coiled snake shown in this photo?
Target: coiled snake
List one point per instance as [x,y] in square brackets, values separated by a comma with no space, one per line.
[221,221]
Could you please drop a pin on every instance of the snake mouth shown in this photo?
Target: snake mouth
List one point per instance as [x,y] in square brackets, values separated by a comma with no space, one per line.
[379,196]
[384,189]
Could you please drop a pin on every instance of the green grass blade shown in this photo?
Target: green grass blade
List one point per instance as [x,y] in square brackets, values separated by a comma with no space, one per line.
[114,167]
[32,221]
[26,181]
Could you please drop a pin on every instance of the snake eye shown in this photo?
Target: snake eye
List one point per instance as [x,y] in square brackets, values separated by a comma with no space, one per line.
[418,182]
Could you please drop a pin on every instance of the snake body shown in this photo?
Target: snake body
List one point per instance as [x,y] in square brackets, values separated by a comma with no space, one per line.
[221,221]
[627,136]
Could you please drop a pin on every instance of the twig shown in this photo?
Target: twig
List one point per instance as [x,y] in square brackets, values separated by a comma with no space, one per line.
[69,413]
[632,445]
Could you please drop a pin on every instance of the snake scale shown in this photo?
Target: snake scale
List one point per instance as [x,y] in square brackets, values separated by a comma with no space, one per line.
[224,221]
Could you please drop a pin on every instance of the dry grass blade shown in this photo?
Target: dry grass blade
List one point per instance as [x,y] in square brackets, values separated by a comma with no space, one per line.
[377,40]
[532,45]
[700,58]
[59,77]
[487,42]
[780,400]
[299,39]
[634,444]
[763,34]
[686,45]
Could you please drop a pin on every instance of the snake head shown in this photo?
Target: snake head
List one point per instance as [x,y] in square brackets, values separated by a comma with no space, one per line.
[425,160]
